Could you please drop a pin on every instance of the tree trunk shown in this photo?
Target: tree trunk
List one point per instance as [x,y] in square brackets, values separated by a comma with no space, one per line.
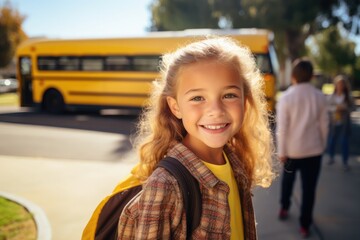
[295,42]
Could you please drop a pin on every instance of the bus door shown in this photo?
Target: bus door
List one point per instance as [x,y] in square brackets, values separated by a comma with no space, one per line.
[26,79]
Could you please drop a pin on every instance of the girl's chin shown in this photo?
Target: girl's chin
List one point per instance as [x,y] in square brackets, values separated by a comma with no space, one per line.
[206,141]
[215,145]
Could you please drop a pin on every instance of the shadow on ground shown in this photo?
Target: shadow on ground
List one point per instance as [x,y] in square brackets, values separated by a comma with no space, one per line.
[83,120]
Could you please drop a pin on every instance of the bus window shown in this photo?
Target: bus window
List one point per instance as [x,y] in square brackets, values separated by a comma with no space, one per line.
[92,64]
[25,66]
[117,63]
[274,60]
[47,63]
[263,63]
[146,63]
[68,63]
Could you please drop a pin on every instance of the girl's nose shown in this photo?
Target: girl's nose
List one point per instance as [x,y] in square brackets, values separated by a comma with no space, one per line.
[215,109]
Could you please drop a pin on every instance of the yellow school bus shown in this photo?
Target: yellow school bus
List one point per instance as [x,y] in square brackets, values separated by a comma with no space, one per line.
[116,73]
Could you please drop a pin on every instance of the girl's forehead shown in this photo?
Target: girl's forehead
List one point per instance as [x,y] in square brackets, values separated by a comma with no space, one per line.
[340,82]
[206,72]
[208,65]
[206,62]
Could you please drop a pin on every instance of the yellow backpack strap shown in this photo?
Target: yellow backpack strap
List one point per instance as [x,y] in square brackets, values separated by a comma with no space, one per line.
[98,219]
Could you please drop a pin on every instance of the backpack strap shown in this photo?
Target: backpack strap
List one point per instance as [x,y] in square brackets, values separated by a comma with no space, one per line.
[190,190]
[108,219]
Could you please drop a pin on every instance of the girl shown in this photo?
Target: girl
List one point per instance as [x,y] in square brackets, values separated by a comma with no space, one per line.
[207,111]
[340,106]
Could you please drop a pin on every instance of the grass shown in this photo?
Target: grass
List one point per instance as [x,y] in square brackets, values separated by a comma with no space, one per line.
[15,222]
[9,99]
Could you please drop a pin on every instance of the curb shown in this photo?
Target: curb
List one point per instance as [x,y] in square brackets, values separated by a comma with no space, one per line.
[41,221]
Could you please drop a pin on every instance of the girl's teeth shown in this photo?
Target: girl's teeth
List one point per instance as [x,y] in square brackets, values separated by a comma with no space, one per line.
[214,127]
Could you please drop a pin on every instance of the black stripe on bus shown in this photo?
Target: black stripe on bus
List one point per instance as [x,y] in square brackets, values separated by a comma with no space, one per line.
[99,94]
[95,79]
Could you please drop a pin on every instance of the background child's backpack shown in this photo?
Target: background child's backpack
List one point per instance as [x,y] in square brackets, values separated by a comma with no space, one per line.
[103,223]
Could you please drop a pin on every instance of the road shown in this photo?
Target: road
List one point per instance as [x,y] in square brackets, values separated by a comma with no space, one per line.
[78,136]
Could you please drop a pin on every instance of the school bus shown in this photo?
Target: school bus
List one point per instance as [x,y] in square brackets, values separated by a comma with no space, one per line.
[116,73]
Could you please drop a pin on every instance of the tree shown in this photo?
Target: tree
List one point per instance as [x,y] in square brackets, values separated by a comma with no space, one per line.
[348,13]
[356,77]
[291,20]
[333,53]
[11,33]
[182,14]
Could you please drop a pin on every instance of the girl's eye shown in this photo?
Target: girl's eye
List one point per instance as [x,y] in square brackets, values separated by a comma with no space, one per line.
[230,95]
[197,99]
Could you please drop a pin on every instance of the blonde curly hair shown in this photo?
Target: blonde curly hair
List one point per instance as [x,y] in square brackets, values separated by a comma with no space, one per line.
[159,129]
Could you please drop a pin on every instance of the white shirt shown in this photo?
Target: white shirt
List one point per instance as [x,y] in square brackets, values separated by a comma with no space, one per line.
[302,122]
[339,109]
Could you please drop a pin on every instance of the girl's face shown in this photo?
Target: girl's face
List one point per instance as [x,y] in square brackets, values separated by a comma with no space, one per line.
[340,86]
[210,102]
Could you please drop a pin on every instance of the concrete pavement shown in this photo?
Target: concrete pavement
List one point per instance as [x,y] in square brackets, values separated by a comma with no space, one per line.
[336,212]
[69,190]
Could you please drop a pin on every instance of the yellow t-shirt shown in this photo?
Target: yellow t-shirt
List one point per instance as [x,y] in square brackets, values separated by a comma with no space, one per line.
[225,174]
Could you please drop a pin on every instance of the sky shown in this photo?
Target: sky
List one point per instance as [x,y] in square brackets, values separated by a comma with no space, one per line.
[84,18]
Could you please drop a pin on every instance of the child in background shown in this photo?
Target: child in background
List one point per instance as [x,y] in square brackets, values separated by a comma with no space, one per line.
[340,107]
[302,128]
[207,111]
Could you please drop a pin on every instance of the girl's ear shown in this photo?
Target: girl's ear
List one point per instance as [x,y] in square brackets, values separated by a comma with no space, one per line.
[174,107]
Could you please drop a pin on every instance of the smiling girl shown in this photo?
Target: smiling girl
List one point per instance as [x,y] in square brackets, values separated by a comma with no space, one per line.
[207,111]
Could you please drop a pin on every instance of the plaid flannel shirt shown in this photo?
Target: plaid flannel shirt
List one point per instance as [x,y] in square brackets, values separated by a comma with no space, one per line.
[158,212]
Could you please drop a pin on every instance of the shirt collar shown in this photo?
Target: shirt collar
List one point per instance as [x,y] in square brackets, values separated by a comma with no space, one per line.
[198,168]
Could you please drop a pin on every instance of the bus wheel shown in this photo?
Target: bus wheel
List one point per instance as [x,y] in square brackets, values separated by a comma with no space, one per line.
[53,102]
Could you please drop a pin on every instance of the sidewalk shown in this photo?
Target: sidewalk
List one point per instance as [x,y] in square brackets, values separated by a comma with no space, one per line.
[336,211]
[69,190]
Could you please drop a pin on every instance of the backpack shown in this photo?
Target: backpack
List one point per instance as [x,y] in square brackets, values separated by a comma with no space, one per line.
[103,223]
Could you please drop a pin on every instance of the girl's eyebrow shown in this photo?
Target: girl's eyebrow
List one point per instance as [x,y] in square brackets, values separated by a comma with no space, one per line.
[194,90]
[233,86]
[203,89]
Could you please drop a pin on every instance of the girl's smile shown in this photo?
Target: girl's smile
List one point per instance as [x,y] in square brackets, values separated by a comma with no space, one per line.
[210,102]
[215,127]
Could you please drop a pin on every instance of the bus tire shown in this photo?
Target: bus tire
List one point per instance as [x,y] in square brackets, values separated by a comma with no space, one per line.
[53,102]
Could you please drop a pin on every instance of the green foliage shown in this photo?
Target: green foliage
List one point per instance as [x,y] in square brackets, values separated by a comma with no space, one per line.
[11,33]
[348,13]
[293,21]
[182,14]
[333,53]
[356,76]
[281,14]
